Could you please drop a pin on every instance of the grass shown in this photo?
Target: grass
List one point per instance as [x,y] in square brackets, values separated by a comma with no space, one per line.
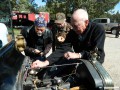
[16,31]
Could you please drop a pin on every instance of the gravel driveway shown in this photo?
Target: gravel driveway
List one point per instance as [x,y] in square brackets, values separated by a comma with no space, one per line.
[112,59]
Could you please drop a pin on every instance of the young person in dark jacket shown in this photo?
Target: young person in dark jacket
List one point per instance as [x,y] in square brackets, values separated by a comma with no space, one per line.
[84,37]
[38,38]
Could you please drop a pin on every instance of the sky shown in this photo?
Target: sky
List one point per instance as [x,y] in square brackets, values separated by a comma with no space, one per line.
[116,8]
[40,3]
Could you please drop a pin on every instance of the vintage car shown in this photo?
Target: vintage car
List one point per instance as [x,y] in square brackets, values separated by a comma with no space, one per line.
[16,73]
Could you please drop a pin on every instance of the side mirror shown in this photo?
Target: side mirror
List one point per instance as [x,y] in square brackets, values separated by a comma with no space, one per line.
[0,43]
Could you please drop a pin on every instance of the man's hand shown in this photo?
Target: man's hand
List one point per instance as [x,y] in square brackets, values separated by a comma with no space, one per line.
[72,55]
[39,64]
[36,51]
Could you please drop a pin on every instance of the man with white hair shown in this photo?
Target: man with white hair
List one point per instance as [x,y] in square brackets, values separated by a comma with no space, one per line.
[84,38]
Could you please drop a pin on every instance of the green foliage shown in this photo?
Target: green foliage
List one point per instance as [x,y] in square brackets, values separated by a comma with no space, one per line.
[16,31]
[5,11]
[24,5]
[3,8]
[27,6]
[95,8]
[42,9]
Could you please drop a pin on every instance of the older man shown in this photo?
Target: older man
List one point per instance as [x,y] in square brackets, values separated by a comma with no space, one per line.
[84,38]
[38,38]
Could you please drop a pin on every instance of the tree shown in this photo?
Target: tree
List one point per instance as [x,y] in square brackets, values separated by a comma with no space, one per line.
[95,8]
[24,5]
[3,8]
[116,17]
[42,9]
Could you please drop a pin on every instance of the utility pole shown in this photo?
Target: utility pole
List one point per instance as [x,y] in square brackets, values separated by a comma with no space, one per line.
[11,26]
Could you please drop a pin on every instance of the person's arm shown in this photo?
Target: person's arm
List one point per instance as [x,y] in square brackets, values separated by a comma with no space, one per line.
[61,49]
[39,64]
[47,48]
[25,32]
[97,41]
[31,50]
[72,55]
[49,44]
[54,57]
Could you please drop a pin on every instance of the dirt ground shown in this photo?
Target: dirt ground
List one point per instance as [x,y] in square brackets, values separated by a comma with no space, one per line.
[112,59]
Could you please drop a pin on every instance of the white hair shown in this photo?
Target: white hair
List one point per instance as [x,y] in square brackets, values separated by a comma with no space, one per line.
[80,13]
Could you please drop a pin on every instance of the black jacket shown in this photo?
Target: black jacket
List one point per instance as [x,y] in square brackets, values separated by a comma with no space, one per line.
[94,36]
[33,41]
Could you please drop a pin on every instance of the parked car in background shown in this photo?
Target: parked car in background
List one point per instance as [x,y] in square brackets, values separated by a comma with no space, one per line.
[108,25]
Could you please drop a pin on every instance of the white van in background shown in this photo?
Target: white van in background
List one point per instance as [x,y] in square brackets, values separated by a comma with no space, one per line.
[3,34]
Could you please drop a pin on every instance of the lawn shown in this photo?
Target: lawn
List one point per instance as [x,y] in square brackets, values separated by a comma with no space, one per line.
[16,31]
